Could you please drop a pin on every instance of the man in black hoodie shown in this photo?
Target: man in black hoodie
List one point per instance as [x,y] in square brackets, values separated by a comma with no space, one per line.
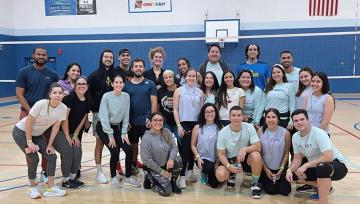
[100,83]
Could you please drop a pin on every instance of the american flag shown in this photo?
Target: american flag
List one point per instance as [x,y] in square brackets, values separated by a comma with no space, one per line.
[323,7]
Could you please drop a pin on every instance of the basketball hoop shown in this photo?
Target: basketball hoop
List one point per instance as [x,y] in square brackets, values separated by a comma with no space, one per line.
[221,42]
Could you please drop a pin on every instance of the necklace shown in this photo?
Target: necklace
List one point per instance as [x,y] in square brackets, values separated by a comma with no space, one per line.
[191,96]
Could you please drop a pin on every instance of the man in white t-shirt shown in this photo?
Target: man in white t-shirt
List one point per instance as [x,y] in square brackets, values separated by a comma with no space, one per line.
[292,73]
[325,162]
[239,148]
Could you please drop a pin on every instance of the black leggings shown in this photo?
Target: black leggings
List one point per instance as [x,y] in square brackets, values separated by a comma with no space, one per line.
[334,170]
[281,186]
[115,152]
[185,151]
[208,168]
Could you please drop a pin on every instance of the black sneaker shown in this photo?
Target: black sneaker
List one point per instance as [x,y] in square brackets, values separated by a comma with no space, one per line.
[306,189]
[256,191]
[79,183]
[147,182]
[231,181]
[78,174]
[69,184]
[175,188]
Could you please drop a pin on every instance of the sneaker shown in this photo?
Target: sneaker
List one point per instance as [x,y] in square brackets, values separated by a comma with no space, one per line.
[204,178]
[69,184]
[135,171]
[34,193]
[147,182]
[139,164]
[79,183]
[175,188]
[181,182]
[115,182]
[190,176]
[256,191]
[119,169]
[230,183]
[101,178]
[43,177]
[78,174]
[132,181]
[306,189]
[54,192]
[315,196]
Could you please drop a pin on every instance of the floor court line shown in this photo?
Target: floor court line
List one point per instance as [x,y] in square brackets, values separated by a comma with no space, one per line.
[19,177]
[337,126]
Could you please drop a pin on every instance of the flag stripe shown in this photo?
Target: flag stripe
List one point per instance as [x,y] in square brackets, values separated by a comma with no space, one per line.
[323,7]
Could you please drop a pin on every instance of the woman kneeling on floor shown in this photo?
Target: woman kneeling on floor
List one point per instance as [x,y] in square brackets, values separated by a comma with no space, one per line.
[158,152]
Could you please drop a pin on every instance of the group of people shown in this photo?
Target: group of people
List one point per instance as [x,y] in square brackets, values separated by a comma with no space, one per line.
[250,120]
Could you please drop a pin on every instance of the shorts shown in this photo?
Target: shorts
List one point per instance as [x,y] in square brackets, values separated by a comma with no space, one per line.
[245,166]
[135,133]
[339,172]
[95,120]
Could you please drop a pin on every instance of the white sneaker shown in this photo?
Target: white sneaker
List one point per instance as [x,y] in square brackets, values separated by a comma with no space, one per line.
[101,178]
[54,192]
[34,193]
[132,181]
[115,182]
[190,176]
[181,182]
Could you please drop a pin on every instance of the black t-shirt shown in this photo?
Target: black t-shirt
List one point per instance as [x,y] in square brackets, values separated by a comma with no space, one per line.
[126,75]
[78,110]
[165,100]
[150,74]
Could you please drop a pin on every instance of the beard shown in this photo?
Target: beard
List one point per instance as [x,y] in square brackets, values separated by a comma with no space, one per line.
[138,74]
[40,62]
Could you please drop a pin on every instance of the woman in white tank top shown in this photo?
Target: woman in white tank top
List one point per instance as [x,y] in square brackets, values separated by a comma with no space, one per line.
[321,104]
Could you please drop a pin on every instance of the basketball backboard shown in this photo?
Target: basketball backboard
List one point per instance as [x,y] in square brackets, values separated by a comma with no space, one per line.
[222,31]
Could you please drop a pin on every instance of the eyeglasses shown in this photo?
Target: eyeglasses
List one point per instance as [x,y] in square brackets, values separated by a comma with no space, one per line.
[210,112]
[158,120]
[81,84]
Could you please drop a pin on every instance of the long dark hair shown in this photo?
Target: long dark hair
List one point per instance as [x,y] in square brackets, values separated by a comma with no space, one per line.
[201,117]
[101,65]
[215,87]
[163,133]
[302,87]
[273,110]
[252,84]
[270,85]
[222,91]
[187,63]
[325,89]
[69,67]
[87,94]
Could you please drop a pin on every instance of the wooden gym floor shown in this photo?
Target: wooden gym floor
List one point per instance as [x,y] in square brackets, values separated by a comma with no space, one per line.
[345,132]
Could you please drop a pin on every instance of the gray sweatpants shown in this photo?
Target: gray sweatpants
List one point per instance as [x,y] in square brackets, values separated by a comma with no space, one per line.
[70,156]
[33,158]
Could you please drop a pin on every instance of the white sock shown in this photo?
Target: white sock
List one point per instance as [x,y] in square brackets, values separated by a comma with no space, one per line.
[98,167]
[72,176]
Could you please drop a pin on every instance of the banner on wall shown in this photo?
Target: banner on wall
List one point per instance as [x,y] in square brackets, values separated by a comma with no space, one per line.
[70,7]
[144,6]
